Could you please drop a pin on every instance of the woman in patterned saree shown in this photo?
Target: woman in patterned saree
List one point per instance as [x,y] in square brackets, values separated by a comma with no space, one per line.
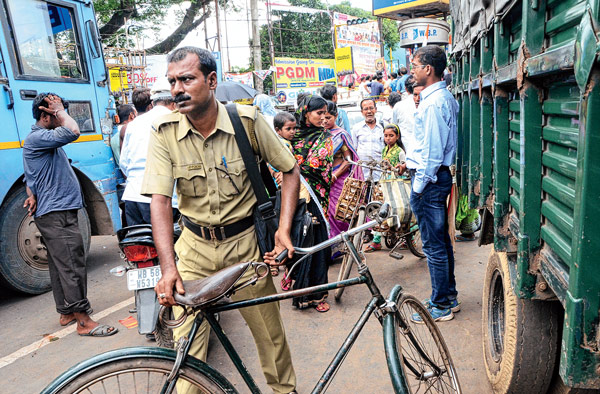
[314,152]
[342,152]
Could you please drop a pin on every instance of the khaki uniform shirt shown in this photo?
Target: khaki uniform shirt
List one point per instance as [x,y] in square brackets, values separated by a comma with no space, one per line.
[207,196]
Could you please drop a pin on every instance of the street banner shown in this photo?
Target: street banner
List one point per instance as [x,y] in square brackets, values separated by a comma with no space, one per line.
[380,67]
[156,67]
[218,59]
[118,79]
[343,62]
[243,78]
[364,39]
[262,74]
[294,75]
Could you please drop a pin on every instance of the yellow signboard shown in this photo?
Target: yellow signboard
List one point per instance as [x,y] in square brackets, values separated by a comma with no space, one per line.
[303,73]
[343,61]
[118,79]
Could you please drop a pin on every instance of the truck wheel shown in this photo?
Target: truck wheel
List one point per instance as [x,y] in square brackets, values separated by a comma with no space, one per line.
[23,257]
[519,335]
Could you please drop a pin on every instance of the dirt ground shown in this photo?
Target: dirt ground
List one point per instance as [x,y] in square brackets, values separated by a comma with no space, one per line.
[314,337]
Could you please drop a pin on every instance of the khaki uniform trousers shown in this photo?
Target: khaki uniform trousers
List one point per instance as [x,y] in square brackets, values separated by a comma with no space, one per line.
[199,258]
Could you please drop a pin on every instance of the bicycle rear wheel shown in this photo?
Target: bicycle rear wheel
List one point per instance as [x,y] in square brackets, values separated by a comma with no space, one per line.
[415,244]
[421,362]
[139,374]
[348,261]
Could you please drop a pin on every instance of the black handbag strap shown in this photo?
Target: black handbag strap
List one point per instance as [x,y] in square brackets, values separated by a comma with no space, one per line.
[265,206]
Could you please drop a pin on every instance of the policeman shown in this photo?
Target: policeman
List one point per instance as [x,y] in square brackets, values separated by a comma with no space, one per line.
[195,146]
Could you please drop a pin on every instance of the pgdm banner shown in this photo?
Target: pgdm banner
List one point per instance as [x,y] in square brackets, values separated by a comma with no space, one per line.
[293,76]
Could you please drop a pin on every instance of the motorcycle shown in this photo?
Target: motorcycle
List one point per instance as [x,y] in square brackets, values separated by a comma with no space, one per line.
[143,273]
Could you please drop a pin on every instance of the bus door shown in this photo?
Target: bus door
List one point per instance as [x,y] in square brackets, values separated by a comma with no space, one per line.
[46,52]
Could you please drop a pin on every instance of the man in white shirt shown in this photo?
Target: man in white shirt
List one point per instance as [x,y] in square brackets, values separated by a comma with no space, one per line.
[135,150]
[404,115]
[367,136]
[363,89]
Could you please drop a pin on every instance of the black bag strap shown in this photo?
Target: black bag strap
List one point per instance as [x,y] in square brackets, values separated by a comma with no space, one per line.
[265,206]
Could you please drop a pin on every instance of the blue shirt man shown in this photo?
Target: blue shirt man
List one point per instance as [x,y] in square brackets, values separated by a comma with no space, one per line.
[435,134]
[54,198]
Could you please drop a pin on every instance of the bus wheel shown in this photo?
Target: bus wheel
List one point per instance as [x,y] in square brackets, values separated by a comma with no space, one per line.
[519,335]
[23,256]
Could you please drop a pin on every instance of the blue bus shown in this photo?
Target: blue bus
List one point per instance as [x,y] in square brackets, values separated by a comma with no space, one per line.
[52,46]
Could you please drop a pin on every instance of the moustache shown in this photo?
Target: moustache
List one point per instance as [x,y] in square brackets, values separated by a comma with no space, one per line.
[181,97]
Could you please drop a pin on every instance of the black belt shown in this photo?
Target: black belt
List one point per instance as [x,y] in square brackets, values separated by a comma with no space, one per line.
[218,233]
[412,171]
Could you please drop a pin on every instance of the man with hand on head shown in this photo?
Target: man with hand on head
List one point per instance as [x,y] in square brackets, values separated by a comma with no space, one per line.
[54,199]
[196,147]
[434,152]
[329,92]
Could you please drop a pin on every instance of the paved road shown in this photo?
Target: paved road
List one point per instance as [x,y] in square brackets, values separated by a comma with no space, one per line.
[314,337]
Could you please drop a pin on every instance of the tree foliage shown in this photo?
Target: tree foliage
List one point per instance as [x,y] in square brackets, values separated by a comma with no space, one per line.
[310,35]
[113,15]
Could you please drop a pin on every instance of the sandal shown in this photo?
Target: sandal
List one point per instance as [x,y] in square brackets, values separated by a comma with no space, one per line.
[274,271]
[373,247]
[322,307]
[465,238]
[102,330]
[286,283]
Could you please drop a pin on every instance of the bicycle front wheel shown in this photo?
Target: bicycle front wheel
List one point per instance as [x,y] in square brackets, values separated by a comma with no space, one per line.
[420,362]
[348,260]
[138,374]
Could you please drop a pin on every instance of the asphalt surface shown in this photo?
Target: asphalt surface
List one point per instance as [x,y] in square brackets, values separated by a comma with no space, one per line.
[314,337]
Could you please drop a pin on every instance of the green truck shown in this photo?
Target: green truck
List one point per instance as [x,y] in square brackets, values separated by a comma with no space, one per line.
[527,77]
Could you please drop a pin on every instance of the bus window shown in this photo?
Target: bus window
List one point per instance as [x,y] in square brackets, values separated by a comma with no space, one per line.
[81,111]
[46,39]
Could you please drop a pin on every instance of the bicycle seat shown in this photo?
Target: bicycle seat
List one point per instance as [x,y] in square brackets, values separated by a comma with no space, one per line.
[205,291]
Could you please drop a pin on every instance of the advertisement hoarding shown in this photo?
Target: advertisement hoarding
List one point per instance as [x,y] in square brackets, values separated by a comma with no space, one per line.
[293,76]
[364,39]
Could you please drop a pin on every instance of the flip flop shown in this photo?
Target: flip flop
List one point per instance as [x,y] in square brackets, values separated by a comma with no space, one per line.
[462,238]
[274,271]
[322,307]
[286,283]
[102,330]
[72,321]
[373,247]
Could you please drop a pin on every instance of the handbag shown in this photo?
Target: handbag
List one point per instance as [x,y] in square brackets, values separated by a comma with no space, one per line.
[396,192]
[268,208]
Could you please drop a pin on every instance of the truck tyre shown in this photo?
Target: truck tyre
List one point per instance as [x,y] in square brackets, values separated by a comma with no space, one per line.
[519,335]
[23,257]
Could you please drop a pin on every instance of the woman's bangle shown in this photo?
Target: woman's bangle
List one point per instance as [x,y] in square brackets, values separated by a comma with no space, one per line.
[334,177]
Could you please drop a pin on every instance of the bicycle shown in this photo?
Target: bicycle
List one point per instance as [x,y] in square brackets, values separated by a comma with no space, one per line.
[420,363]
[409,232]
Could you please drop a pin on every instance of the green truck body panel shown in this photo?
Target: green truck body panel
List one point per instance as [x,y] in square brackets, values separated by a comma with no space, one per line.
[527,78]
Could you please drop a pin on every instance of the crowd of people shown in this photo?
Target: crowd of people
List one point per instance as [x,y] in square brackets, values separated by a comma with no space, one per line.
[177,149]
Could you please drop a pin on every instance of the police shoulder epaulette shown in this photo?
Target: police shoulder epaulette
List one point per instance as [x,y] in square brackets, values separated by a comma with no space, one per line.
[165,119]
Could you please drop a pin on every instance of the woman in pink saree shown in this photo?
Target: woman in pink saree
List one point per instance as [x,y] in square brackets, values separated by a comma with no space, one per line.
[342,152]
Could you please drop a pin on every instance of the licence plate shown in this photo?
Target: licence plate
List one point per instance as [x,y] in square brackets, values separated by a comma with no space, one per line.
[143,278]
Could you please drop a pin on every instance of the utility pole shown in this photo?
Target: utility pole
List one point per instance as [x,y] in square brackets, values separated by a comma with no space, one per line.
[258,83]
[218,27]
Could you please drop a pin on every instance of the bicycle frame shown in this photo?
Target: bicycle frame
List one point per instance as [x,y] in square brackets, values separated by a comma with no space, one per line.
[377,304]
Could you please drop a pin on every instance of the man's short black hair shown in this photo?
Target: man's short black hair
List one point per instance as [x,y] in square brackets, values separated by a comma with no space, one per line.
[367,99]
[433,56]
[141,99]
[207,61]
[328,91]
[394,75]
[379,77]
[394,98]
[409,84]
[124,111]
[403,70]
[38,101]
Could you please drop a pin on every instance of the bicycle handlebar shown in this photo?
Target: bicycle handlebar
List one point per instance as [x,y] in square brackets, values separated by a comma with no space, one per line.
[383,214]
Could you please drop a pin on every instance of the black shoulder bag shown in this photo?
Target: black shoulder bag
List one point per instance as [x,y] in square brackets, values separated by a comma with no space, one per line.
[266,213]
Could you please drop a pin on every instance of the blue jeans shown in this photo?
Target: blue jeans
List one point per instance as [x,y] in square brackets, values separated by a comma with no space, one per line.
[430,209]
